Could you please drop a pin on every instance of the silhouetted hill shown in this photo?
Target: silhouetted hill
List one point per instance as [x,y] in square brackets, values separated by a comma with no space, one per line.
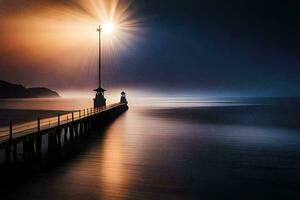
[9,90]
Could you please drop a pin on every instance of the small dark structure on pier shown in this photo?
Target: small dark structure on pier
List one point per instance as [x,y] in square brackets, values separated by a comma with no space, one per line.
[99,100]
[123,98]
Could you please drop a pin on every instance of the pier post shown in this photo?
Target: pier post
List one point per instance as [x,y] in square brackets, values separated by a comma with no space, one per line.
[38,144]
[81,130]
[31,147]
[15,152]
[10,131]
[38,125]
[8,148]
[50,141]
[71,133]
[74,127]
[58,137]
[7,154]
[85,126]
[65,135]
[58,119]
[24,150]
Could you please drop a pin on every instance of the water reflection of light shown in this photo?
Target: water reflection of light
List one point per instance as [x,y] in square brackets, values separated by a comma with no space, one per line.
[113,177]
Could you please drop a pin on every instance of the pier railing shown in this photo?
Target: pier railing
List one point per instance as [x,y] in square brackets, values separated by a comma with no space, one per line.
[16,130]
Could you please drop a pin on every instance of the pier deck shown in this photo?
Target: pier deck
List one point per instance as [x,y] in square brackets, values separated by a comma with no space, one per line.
[74,123]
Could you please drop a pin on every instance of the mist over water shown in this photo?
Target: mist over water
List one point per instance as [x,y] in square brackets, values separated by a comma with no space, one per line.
[181,148]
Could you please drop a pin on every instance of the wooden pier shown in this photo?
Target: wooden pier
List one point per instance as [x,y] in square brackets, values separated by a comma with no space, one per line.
[29,137]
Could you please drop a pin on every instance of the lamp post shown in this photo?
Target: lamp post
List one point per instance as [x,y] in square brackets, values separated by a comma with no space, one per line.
[99,30]
[99,100]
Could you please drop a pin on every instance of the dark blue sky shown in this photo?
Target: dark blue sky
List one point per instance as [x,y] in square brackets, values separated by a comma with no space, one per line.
[220,45]
[248,46]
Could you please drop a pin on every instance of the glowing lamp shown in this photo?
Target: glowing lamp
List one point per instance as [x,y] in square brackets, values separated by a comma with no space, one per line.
[108,27]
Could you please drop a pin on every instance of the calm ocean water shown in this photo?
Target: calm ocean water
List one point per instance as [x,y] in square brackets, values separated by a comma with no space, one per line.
[180,149]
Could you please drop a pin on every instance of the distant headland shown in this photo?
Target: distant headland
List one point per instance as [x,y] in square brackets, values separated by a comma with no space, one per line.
[10,90]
